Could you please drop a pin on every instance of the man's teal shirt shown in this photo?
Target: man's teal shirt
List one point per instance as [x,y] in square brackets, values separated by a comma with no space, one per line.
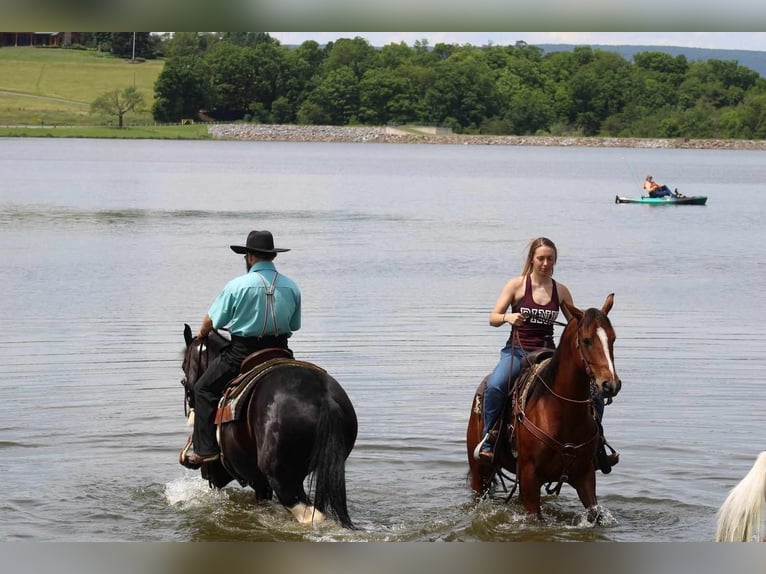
[242,304]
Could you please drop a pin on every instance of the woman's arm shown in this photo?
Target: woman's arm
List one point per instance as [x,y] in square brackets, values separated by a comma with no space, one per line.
[564,295]
[499,314]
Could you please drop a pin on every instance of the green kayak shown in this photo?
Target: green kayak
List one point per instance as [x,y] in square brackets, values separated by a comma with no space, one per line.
[669,200]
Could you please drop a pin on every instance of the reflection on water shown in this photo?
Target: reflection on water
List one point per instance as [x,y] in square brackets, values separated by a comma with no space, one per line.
[400,252]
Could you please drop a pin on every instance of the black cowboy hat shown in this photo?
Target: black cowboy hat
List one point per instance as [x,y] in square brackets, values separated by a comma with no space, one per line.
[258,242]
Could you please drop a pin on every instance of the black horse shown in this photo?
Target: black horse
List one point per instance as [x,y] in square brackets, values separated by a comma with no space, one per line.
[293,421]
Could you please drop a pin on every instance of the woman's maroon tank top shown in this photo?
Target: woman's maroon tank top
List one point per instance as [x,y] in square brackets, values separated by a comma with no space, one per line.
[537,330]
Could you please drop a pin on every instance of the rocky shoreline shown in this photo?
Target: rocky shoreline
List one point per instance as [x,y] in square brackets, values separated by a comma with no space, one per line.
[294,133]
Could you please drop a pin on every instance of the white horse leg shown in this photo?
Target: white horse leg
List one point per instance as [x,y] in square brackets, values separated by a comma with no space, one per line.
[740,516]
[306,514]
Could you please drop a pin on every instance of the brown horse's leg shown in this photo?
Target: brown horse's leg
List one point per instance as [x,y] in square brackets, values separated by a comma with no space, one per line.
[586,490]
[481,475]
[529,489]
[479,470]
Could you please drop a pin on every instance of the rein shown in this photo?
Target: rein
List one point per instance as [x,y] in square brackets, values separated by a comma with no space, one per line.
[558,396]
[517,341]
[567,451]
[588,370]
[202,347]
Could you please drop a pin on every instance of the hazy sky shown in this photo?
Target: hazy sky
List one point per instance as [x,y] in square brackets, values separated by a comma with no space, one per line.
[717,40]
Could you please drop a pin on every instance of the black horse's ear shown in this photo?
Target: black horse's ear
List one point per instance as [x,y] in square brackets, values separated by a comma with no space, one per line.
[187,334]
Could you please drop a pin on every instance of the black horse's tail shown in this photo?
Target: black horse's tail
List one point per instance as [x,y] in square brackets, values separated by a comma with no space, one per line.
[328,462]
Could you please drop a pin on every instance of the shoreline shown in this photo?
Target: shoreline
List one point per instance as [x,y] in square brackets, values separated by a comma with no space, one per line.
[345,134]
[357,134]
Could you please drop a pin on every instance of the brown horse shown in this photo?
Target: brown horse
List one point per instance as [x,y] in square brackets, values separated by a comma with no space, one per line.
[548,432]
[293,421]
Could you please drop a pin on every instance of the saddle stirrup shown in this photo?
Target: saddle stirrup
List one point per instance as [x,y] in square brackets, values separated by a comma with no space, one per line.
[477,450]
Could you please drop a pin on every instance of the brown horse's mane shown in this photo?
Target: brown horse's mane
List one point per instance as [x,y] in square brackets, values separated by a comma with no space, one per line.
[546,373]
[550,368]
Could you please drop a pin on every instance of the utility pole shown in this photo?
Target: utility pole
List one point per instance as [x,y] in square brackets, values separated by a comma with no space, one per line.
[134,48]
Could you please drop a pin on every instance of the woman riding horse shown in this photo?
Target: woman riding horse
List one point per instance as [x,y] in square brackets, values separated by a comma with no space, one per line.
[550,433]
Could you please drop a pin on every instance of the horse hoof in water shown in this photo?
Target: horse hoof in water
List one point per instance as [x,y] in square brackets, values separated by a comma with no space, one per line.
[595,515]
[306,514]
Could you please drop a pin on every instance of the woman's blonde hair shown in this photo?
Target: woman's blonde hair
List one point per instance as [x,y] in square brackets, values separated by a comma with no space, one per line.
[533,245]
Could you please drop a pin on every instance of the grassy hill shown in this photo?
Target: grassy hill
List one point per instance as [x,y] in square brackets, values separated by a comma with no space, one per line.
[55,86]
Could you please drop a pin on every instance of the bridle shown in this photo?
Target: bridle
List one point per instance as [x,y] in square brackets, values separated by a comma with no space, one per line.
[588,371]
[194,361]
[568,451]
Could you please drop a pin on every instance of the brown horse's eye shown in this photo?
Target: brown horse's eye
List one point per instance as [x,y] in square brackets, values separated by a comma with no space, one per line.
[587,341]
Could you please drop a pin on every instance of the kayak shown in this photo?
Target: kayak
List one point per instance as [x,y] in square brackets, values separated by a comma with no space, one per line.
[667,200]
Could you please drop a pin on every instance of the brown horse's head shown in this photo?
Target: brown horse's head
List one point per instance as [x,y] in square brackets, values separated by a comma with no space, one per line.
[595,342]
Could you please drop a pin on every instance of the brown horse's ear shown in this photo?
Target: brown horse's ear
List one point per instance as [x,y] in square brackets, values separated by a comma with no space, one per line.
[605,308]
[574,312]
[187,334]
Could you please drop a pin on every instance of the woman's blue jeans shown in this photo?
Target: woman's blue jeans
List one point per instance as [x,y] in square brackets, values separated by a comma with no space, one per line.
[497,383]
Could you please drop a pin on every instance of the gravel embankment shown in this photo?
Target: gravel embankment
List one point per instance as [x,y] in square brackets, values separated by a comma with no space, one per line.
[292,133]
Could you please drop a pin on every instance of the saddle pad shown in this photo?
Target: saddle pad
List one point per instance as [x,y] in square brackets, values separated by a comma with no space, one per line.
[525,383]
[233,401]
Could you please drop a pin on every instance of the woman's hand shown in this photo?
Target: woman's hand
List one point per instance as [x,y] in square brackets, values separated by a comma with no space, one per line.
[514,319]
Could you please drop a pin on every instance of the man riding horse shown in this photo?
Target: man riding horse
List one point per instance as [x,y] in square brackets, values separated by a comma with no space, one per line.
[261,308]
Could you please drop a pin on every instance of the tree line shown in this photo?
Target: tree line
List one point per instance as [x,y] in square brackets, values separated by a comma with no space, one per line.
[492,89]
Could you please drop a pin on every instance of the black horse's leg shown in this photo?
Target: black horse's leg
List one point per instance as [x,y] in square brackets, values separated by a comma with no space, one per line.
[291,495]
[261,487]
[283,463]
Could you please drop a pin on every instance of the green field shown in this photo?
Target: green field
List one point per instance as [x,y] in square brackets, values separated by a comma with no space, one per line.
[177,132]
[55,86]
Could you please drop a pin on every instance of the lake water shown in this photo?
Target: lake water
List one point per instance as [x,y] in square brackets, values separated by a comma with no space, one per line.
[109,247]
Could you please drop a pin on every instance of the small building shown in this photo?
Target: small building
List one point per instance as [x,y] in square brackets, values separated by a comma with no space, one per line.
[39,38]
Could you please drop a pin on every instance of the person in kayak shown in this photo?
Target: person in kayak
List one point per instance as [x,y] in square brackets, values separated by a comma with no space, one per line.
[654,189]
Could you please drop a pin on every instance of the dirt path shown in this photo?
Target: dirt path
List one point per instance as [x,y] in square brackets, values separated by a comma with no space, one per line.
[48,98]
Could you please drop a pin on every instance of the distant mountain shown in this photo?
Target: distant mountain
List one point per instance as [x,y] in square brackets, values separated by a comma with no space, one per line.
[753,59]
[749,58]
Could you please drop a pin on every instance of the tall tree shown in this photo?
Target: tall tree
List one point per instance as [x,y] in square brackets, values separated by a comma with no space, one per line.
[386,96]
[248,39]
[118,103]
[338,96]
[122,44]
[270,72]
[232,80]
[185,44]
[356,54]
[182,89]
[463,92]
